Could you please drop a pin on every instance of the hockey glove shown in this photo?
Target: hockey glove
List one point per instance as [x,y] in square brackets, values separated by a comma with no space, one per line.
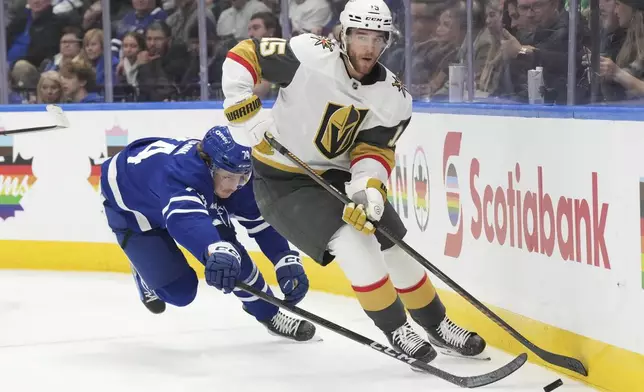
[368,195]
[223,266]
[291,277]
[255,122]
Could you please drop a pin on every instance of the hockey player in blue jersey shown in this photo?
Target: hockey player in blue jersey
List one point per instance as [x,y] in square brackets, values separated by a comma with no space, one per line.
[159,192]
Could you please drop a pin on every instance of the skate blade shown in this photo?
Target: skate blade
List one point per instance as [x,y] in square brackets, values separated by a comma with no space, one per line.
[314,339]
[479,357]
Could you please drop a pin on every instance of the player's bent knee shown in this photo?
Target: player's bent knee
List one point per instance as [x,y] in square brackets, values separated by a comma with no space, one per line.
[180,292]
[358,255]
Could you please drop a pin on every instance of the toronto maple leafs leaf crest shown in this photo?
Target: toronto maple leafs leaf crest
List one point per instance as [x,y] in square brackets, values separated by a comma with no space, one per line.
[325,42]
[400,86]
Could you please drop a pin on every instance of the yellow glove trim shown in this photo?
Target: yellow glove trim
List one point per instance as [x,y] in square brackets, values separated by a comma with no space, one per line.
[244,110]
[356,216]
[379,186]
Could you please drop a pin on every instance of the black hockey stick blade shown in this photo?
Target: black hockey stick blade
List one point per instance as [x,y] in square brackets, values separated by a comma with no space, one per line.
[565,362]
[464,382]
[60,122]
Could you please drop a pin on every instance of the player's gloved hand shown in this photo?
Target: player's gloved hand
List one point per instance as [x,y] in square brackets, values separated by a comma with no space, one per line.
[291,277]
[223,266]
[368,195]
[255,121]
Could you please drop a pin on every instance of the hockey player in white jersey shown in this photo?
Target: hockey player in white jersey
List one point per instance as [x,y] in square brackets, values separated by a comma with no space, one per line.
[341,112]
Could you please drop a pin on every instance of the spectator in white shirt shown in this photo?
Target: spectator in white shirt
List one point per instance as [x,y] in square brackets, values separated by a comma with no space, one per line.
[309,16]
[234,20]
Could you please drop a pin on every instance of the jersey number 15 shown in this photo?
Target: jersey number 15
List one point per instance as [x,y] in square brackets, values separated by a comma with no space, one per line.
[271,46]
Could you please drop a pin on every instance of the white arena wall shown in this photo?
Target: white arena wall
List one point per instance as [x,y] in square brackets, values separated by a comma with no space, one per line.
[536,212]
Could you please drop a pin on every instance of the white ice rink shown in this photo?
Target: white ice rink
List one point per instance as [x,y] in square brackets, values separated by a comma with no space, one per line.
[89,332]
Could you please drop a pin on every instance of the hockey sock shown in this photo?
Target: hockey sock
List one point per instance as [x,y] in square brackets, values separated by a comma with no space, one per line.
[381,303]
[362,262]
[414,287]
[424,305]
[263,311]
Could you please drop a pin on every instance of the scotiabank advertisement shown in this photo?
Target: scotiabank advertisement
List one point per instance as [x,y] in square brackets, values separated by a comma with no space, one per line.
[538,216]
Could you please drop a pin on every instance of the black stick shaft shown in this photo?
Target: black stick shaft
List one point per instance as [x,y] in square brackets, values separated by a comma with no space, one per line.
[464,382]
[27,130]
[555,359]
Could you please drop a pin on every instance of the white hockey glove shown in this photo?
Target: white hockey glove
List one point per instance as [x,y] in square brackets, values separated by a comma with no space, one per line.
[255,122]
[368,195]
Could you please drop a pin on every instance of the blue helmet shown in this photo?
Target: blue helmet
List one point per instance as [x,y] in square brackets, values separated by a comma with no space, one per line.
[225,154]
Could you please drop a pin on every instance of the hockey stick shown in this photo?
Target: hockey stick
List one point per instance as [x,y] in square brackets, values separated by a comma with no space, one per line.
[55,111]
[550,357]
[420,366]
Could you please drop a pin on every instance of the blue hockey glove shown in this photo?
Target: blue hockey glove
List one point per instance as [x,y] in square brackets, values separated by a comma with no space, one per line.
[291,277]
[223,266]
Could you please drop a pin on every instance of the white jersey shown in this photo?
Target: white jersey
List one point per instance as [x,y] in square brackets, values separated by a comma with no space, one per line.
[326,118]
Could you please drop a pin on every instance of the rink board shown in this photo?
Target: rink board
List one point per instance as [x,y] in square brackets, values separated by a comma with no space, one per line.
[534,212]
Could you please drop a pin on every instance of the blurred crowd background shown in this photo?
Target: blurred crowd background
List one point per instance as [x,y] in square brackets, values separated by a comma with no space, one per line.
[583,51]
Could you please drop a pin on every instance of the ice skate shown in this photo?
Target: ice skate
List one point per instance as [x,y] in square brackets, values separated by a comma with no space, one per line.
[290,327]
[451,339]
[407,341]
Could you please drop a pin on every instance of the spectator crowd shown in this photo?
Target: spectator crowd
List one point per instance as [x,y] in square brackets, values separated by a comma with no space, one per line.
[55,47]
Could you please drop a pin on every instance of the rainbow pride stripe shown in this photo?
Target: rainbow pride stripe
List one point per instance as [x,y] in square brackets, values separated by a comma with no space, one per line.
[116,140]
[453,195]
[401,195]
[12,178]
[420,186]
[95,177]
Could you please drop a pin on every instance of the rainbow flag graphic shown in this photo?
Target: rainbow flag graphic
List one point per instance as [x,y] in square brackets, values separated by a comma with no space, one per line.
[420,185]
[396,192]
[116,140]
[642,229]
[16,177]
[453,195]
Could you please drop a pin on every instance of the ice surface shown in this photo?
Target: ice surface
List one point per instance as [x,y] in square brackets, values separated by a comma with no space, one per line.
[89,332]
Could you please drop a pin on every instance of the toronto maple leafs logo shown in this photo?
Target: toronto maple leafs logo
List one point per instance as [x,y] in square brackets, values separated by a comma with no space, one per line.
[400,86]
[222,218]
[325,42]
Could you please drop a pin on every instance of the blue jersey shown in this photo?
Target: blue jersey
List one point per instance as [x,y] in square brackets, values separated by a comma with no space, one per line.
[159,183]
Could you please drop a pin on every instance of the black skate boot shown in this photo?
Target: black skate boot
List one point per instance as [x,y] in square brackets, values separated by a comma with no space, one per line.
[407,341]
[290,327]
[450,339]
[153,303]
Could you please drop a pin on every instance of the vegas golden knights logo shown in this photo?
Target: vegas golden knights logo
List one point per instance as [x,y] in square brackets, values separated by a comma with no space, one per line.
[338,129]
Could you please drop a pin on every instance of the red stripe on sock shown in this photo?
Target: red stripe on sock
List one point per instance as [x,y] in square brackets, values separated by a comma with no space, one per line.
[371,287]
[414,287]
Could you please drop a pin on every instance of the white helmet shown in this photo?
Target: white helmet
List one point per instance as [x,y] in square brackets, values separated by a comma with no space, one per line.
[366,14]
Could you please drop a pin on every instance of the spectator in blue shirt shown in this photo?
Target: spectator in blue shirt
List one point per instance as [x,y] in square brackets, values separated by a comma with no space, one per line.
[79,82]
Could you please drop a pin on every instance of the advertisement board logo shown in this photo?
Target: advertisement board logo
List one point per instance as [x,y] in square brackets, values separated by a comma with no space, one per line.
[420,178]
[116,139]
[525,214]
[453,240]
[16,178]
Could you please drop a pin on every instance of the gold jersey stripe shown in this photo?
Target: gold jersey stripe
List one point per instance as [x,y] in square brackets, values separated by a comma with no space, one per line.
[244,53]
[280,166]
[364,150]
